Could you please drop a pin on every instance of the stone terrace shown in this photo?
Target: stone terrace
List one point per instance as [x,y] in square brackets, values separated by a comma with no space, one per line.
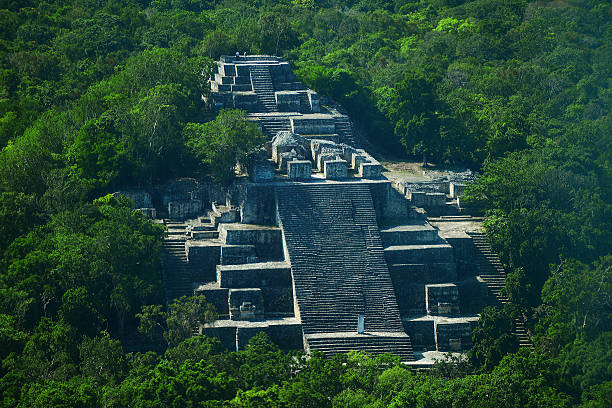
[266,87]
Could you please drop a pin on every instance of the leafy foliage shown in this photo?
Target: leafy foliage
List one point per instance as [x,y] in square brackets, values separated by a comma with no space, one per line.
[97,96]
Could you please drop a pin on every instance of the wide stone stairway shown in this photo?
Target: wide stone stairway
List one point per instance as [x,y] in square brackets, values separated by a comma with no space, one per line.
[339,269]
[263,87]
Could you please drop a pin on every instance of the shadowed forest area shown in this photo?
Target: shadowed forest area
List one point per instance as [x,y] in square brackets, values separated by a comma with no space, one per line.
[101,95]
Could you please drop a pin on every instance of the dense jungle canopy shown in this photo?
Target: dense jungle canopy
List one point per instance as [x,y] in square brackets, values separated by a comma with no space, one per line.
[100,95]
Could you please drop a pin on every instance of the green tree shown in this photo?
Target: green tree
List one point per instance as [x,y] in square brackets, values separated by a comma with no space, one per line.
[179,322]
[224,142]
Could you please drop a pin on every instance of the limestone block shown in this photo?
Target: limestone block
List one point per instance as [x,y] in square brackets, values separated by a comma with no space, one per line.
[325,157]
[287,101]
[287,336]
[357,158]
[289,85]
[299,169]
[410,297]
[221,79]
[262,172]
[370,170]
[244,234]
[421,332]
[243,70]
[419,253]
[258,206]
[285,141]
[417,198]
[453,335]
[437,272]
[463,247]
[407,234]
[456,189]
[237,254]
[435,199]
[278,299]
[260,274]
[244,100]
[241,87]
[184,209]
[227,69]
[246,304]
[243,80]
[347,152]
[313,126]
[317,144]
[285,158]
[442,299]
[216,87]
[335,169]
[203,256]
[141,198]
[313,98]
[222,214]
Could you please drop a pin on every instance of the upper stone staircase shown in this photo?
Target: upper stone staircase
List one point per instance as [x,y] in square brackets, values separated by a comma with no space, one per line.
[492,272]
[263,87]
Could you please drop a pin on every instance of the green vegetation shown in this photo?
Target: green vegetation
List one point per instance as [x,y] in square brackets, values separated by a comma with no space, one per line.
[101,95]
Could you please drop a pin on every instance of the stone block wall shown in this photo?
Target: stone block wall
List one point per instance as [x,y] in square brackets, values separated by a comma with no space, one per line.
[141,198]
[442,299]
[203,258]
[253,275]
[288,101]
[410,297]
[311,126]
[246,304]
[453,336]
[388,203]
[421,332]
[437,272]
[335,169]
[299,169]
[257,204]
[370,170]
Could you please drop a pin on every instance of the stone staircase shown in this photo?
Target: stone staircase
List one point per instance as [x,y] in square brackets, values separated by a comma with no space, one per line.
[338,267]
[176,271]
[371,343]
[344,129]
[492,272]
[270,126]
[304,103]
[261,81]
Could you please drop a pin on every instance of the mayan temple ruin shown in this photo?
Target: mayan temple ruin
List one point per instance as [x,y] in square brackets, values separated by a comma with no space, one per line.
[317,247]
